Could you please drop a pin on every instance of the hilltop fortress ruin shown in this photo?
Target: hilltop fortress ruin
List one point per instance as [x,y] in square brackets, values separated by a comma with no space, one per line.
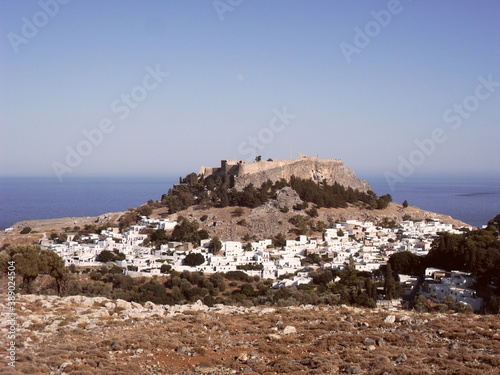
[242,173]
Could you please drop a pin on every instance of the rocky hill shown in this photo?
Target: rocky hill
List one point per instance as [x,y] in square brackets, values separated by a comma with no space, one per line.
[269,219]
[305,167]
[91,336]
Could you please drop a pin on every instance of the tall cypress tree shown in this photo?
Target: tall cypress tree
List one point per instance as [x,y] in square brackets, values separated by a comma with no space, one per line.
[390,287]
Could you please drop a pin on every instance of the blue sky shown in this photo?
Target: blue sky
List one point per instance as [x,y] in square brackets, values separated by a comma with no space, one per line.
[238,77]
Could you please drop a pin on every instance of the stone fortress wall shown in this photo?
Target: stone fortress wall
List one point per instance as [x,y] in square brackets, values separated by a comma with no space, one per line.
[243,173]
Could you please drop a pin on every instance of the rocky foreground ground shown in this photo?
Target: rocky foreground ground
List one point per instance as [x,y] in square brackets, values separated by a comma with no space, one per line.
[81,335]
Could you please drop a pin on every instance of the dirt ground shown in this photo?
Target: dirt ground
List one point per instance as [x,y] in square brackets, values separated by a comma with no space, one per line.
[57,336]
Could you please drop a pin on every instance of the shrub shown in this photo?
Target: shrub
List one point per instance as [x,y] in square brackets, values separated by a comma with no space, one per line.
[194,259]
[313,212]
[105,256]
[247,290]
[238,276]
[238,211]
[209,300]
[165,268]
[26,230]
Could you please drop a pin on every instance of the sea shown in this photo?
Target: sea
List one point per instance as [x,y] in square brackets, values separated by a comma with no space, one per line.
[474,201]
[27,198]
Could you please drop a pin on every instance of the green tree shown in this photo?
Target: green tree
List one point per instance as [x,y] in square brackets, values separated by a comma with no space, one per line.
[279,240]
[159,236]
[247,290]
[144,210]
[194,259]
[405,204]
[301,223]
[188,231]
[54,265]
[320,226]
[215,245]
[165,268]
[62,238]
[32,261]
[105,256]
[383,201]
[405,262]
[390,286]
[323,277]
[29,263]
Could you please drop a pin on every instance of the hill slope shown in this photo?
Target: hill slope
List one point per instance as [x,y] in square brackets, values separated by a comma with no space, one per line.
[127,338]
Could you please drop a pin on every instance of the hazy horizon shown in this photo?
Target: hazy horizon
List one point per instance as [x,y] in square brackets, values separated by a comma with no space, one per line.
[396,89]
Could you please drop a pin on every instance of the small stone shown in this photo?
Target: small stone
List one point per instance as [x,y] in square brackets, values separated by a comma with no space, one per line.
[64,365]
[401,359]
[274,336]
[368,341]
[115,346]
[243,357]
[352,370]
[289,330]
[390,319]
[409,337]
[453,345]
[371,347]
[380,342]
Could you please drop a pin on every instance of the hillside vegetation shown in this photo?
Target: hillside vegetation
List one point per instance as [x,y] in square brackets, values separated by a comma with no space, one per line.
[216,192]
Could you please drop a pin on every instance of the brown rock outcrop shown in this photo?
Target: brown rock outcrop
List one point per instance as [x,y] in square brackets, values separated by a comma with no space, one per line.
[243,173]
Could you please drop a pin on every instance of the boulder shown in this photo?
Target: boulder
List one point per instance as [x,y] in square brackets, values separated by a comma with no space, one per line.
[288,330]
[390,319]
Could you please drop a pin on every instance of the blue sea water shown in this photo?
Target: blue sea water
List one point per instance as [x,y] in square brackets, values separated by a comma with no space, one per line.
[474,201]
[47,198]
